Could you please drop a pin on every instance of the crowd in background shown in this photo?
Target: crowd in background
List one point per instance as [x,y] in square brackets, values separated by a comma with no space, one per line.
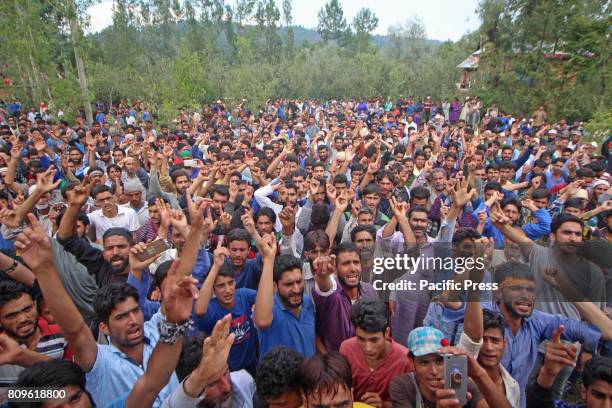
[227,258]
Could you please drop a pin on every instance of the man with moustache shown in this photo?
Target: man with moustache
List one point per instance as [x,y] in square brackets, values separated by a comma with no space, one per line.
[526,326]
[282,314]
[112,263]
[334,297]
[26,337]
[563,255]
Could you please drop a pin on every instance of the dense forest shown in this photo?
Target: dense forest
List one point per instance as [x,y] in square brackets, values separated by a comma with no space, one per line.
[181,53]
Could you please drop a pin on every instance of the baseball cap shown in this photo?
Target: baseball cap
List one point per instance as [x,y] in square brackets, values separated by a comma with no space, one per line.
[552,132]
[424,340]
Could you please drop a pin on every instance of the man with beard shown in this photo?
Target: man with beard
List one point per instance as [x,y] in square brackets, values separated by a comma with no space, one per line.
[364,238]
[434,180]
[207,381]
[526,326]
[334,297]
[157,220]
[27,338]
[111,264]
[564,255]
[133,191]
[113,369]
[110,215]
[282,314]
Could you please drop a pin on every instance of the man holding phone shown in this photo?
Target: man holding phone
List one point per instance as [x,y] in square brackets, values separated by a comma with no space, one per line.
[426,387]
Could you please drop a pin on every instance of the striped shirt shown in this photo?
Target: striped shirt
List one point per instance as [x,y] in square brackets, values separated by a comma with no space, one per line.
[52,344]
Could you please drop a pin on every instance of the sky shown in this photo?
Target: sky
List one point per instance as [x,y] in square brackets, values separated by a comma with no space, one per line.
[443,19]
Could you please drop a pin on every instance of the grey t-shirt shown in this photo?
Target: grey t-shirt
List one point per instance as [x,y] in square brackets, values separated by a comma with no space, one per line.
[586,277]
[80,285]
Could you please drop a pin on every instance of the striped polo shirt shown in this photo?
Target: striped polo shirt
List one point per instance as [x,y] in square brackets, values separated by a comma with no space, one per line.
[51,344]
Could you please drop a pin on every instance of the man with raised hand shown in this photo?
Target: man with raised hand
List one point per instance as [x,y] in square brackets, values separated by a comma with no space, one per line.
[112,370]
[211,384]
[282,314]
[334,296]
[179,291]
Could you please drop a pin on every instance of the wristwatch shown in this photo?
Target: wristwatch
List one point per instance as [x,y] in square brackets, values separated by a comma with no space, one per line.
[170,333]
[11,268]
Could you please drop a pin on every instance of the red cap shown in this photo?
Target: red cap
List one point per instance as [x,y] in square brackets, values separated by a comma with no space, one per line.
[444,343]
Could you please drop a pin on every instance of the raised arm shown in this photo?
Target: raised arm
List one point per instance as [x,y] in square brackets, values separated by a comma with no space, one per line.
[400,209]
[499,220]
[44,184]
[76,198]
[587,309]
[36,251]
[206,292]
[16,270]
[340,205]
[264,302]
[194,238]
[179,292]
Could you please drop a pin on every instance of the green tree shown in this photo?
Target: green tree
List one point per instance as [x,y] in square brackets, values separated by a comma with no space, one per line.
[332,25]
[364,24]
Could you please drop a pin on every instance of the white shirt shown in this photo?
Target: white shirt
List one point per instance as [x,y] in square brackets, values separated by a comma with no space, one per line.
[125,218]
[142,212]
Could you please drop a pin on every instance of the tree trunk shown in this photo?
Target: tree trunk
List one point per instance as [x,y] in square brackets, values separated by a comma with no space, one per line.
[75,35]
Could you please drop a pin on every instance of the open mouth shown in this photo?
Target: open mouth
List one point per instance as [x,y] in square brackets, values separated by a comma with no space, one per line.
[134,333]
[524,307]
[116,263]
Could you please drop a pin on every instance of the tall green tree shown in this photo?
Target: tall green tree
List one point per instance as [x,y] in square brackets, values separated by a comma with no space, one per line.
[364,24]
[332,25]
[288,23]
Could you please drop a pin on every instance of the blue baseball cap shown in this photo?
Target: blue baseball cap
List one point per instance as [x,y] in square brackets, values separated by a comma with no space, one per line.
[424,340]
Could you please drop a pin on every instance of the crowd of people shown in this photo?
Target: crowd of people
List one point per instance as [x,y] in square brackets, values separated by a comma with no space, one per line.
[228,258]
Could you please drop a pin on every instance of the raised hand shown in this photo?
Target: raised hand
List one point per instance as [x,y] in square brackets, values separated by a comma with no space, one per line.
[177,218]
[80,193]
[528,203]
[35,247]
[460,194]
[287,219]
[178,293]
[249,224]
[558,355]
[497,216]
[398,208]
[136,263]
[221,254]
[267,246]
[196,212]
[164,213]
[324,265]
[225,219]
[355,207]
[9,218]
[44,181]
[216,349]
[342,201]
[314,187]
